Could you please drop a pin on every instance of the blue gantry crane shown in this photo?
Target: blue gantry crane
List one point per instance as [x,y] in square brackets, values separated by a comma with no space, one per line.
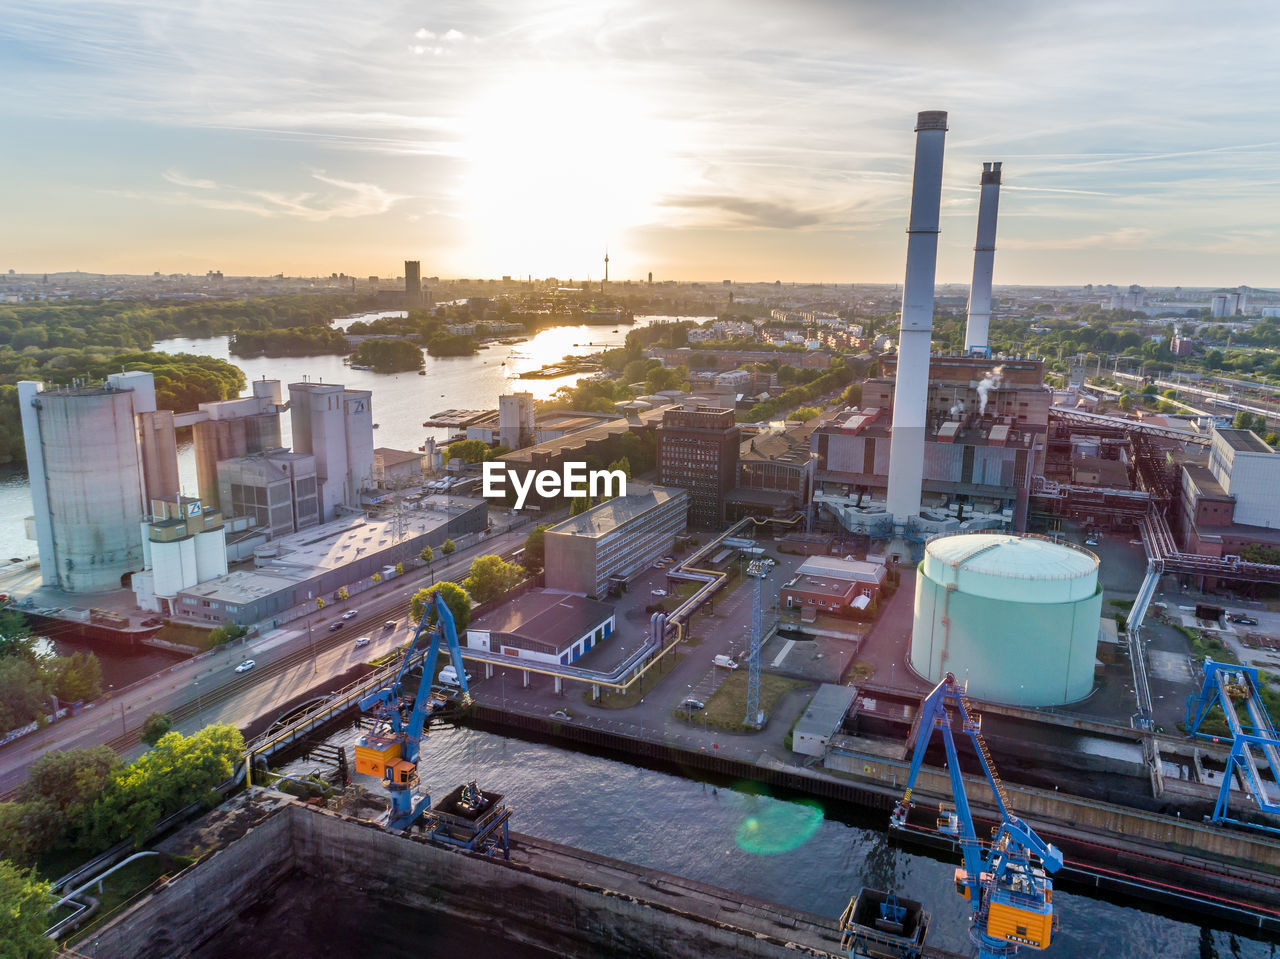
[1005,881]
[391,750]
[1232,689]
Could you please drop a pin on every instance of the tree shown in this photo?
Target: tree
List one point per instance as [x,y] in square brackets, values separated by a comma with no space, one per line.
[25,914]
[468,451]
[320,604]
[455,597]
[535,550]
[77,677]
[24,691]
[176,772]
[427,555]
[852,395]
[228,632]
[15,636]
[805,413]
[155,726]
[1256,553]
[54,801]
[448,546]
[580,505]
[491,577]
[399,569]
[376,578]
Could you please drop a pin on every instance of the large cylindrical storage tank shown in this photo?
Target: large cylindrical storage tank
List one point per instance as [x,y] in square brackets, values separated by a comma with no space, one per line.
[1015,616]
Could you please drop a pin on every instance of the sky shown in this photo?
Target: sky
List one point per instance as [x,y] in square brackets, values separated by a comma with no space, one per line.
[697,139]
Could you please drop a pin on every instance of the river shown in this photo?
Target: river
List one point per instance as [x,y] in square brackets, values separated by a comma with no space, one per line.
[799,853]
[401,401]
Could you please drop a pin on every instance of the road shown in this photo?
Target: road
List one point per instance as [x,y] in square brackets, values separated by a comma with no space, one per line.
[208,689]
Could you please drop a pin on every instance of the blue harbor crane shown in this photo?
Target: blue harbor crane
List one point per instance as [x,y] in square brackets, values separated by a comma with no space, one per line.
[467,816]
[1254,740]
[1005,880]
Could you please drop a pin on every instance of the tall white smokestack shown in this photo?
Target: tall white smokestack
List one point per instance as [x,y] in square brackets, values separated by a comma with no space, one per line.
[911,393]
[984,257]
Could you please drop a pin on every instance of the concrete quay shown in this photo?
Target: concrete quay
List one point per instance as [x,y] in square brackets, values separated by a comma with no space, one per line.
[1230,874]
[552,897]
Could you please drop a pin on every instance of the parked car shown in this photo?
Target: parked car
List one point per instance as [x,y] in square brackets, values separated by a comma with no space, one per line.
[657,592]
[692,703]
[724,662]
[389,624]
[334,627]
[362,642]
[247,665]
[561,714]
[351,614]
[1240,620]
[1091,541]
[449,676]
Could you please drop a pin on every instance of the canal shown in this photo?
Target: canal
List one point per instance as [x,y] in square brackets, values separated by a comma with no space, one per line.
[794,851]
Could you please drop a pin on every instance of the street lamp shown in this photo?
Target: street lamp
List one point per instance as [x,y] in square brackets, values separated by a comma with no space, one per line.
[199,697]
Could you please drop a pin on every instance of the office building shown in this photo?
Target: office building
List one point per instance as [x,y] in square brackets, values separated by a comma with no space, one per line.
[698,452]
[775,474]
[412,284]
[839,587]
[599,550]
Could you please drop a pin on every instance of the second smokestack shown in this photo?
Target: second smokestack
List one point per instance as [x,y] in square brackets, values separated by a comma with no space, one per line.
[984,257]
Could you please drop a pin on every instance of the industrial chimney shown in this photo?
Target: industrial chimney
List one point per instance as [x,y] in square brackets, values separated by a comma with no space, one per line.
[984,255]
[911,394]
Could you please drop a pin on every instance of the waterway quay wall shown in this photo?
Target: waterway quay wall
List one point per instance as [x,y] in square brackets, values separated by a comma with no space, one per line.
[563,900]
[1110,845]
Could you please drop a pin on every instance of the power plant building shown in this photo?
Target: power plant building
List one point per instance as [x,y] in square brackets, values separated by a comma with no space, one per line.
[229,429]
[985,435]
[277,491]
[87,479]
[1017,617]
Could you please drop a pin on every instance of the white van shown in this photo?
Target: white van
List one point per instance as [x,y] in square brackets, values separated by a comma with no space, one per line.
[725,662]
[449,676]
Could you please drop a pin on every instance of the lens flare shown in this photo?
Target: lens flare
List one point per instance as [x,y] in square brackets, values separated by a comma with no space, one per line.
[779,827]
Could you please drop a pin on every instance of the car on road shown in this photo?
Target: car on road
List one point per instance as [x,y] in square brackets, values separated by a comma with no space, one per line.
[561,714]
[1240,620]
[247,665]
[334,627]
[692,704]
[362,642]
[657,592]
[389,624]
[1091,541]
[351,614]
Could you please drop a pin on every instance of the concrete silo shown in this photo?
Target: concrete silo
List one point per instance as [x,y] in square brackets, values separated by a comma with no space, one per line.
[1017,616]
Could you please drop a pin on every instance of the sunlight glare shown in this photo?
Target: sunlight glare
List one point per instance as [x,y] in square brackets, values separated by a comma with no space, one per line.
[560,164]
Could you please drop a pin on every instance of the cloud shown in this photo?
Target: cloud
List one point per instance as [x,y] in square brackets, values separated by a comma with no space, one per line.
[743,212]
[344,200]
[1124,238]
[174,176]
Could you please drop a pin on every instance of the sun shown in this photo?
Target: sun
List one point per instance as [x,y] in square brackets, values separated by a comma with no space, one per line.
[559,164]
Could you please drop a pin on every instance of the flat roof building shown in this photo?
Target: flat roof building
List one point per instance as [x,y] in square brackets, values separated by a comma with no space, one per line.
[841,587]
[822,719]
[544,626]
[1248,469]
[612,542]
[298,569]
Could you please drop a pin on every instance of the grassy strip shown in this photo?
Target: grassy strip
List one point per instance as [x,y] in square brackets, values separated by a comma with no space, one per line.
[727,708]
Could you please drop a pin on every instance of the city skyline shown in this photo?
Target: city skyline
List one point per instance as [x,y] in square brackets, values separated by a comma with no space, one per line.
[753,140]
